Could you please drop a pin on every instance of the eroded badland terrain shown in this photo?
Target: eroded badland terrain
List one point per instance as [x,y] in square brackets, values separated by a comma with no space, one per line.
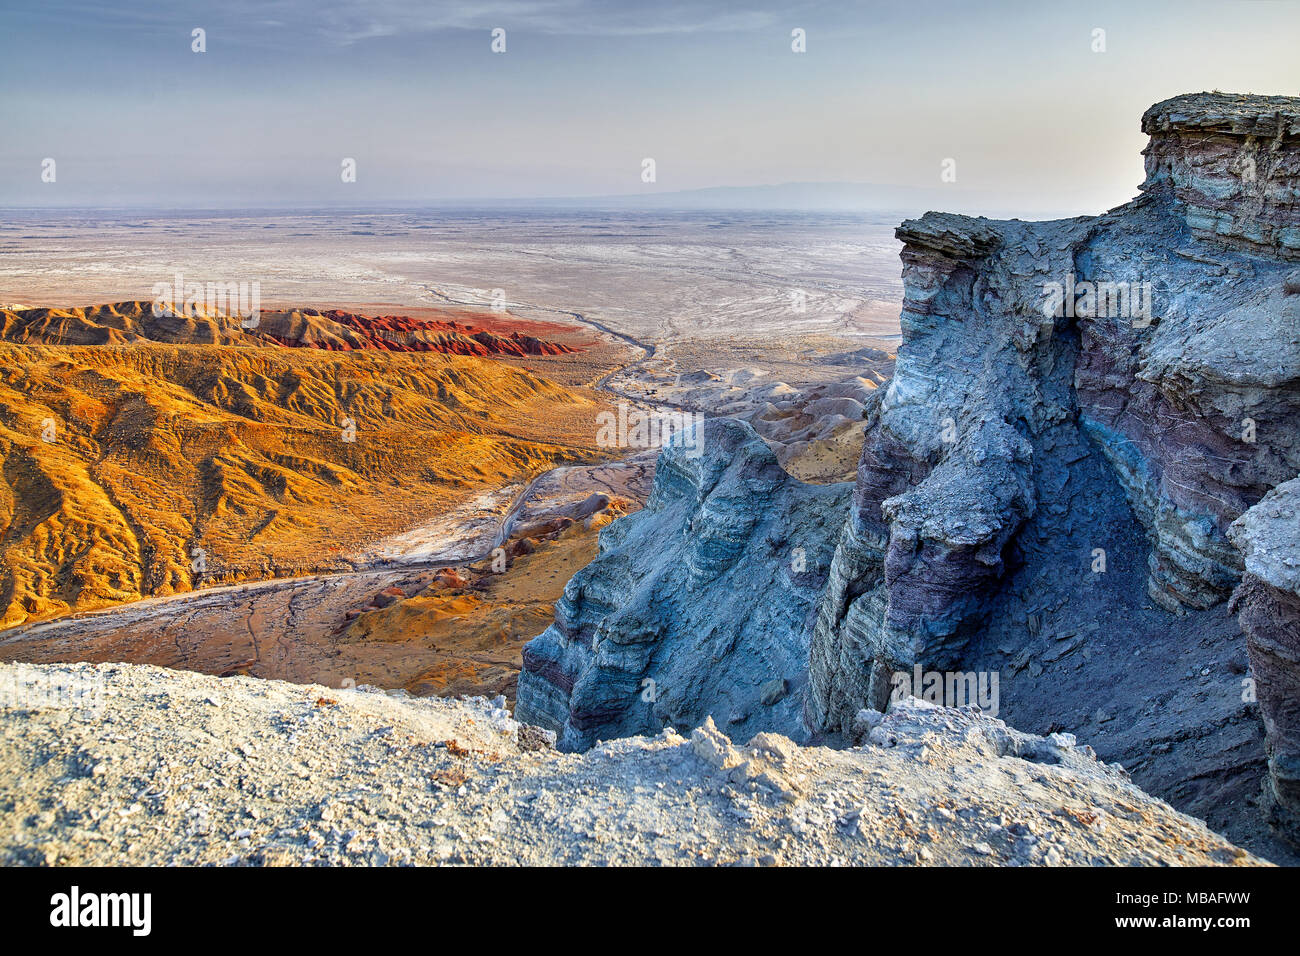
[147,456]
[329,496]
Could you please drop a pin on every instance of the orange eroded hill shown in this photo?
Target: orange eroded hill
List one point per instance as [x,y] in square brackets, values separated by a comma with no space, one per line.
[452,331]
[145,469]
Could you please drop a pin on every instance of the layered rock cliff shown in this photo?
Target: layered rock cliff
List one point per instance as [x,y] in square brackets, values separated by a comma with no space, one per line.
[1159,340]
[1080,411]
[1268,603]
[696,606]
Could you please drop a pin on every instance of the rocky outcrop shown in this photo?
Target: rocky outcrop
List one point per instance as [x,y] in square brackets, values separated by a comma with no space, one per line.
[1231,163]
[1161,339]
[1268,603]
[118,764]
[698,605]
[946,477]
[1080,411]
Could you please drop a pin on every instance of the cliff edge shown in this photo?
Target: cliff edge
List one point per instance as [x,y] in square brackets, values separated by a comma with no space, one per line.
[126,764]
[1081,411]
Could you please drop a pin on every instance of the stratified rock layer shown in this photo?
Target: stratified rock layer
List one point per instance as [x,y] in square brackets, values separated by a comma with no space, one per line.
[1268,603]
[1163,336]
[1080,411]
[697,606]
[1231,163]
[123,323]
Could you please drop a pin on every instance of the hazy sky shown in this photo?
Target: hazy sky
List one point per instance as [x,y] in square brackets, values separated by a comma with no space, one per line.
[411,89]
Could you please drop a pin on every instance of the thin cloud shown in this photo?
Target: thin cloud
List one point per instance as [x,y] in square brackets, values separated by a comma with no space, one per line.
[344,23]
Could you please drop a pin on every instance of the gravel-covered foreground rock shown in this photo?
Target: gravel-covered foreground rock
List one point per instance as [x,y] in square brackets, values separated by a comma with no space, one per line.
[118,764]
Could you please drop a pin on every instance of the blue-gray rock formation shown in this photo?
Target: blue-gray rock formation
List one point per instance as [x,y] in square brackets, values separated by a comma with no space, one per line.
[1268,604]
[1162,340]
[1080,411]
[698,605]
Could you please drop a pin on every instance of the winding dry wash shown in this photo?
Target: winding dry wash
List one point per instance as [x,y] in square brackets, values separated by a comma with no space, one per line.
[372,494]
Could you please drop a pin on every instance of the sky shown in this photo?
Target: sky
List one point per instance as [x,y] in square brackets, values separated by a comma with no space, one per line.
[1014,94]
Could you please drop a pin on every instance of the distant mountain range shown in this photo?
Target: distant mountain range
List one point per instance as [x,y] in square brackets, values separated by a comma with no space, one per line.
[891,202]
[834,197]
